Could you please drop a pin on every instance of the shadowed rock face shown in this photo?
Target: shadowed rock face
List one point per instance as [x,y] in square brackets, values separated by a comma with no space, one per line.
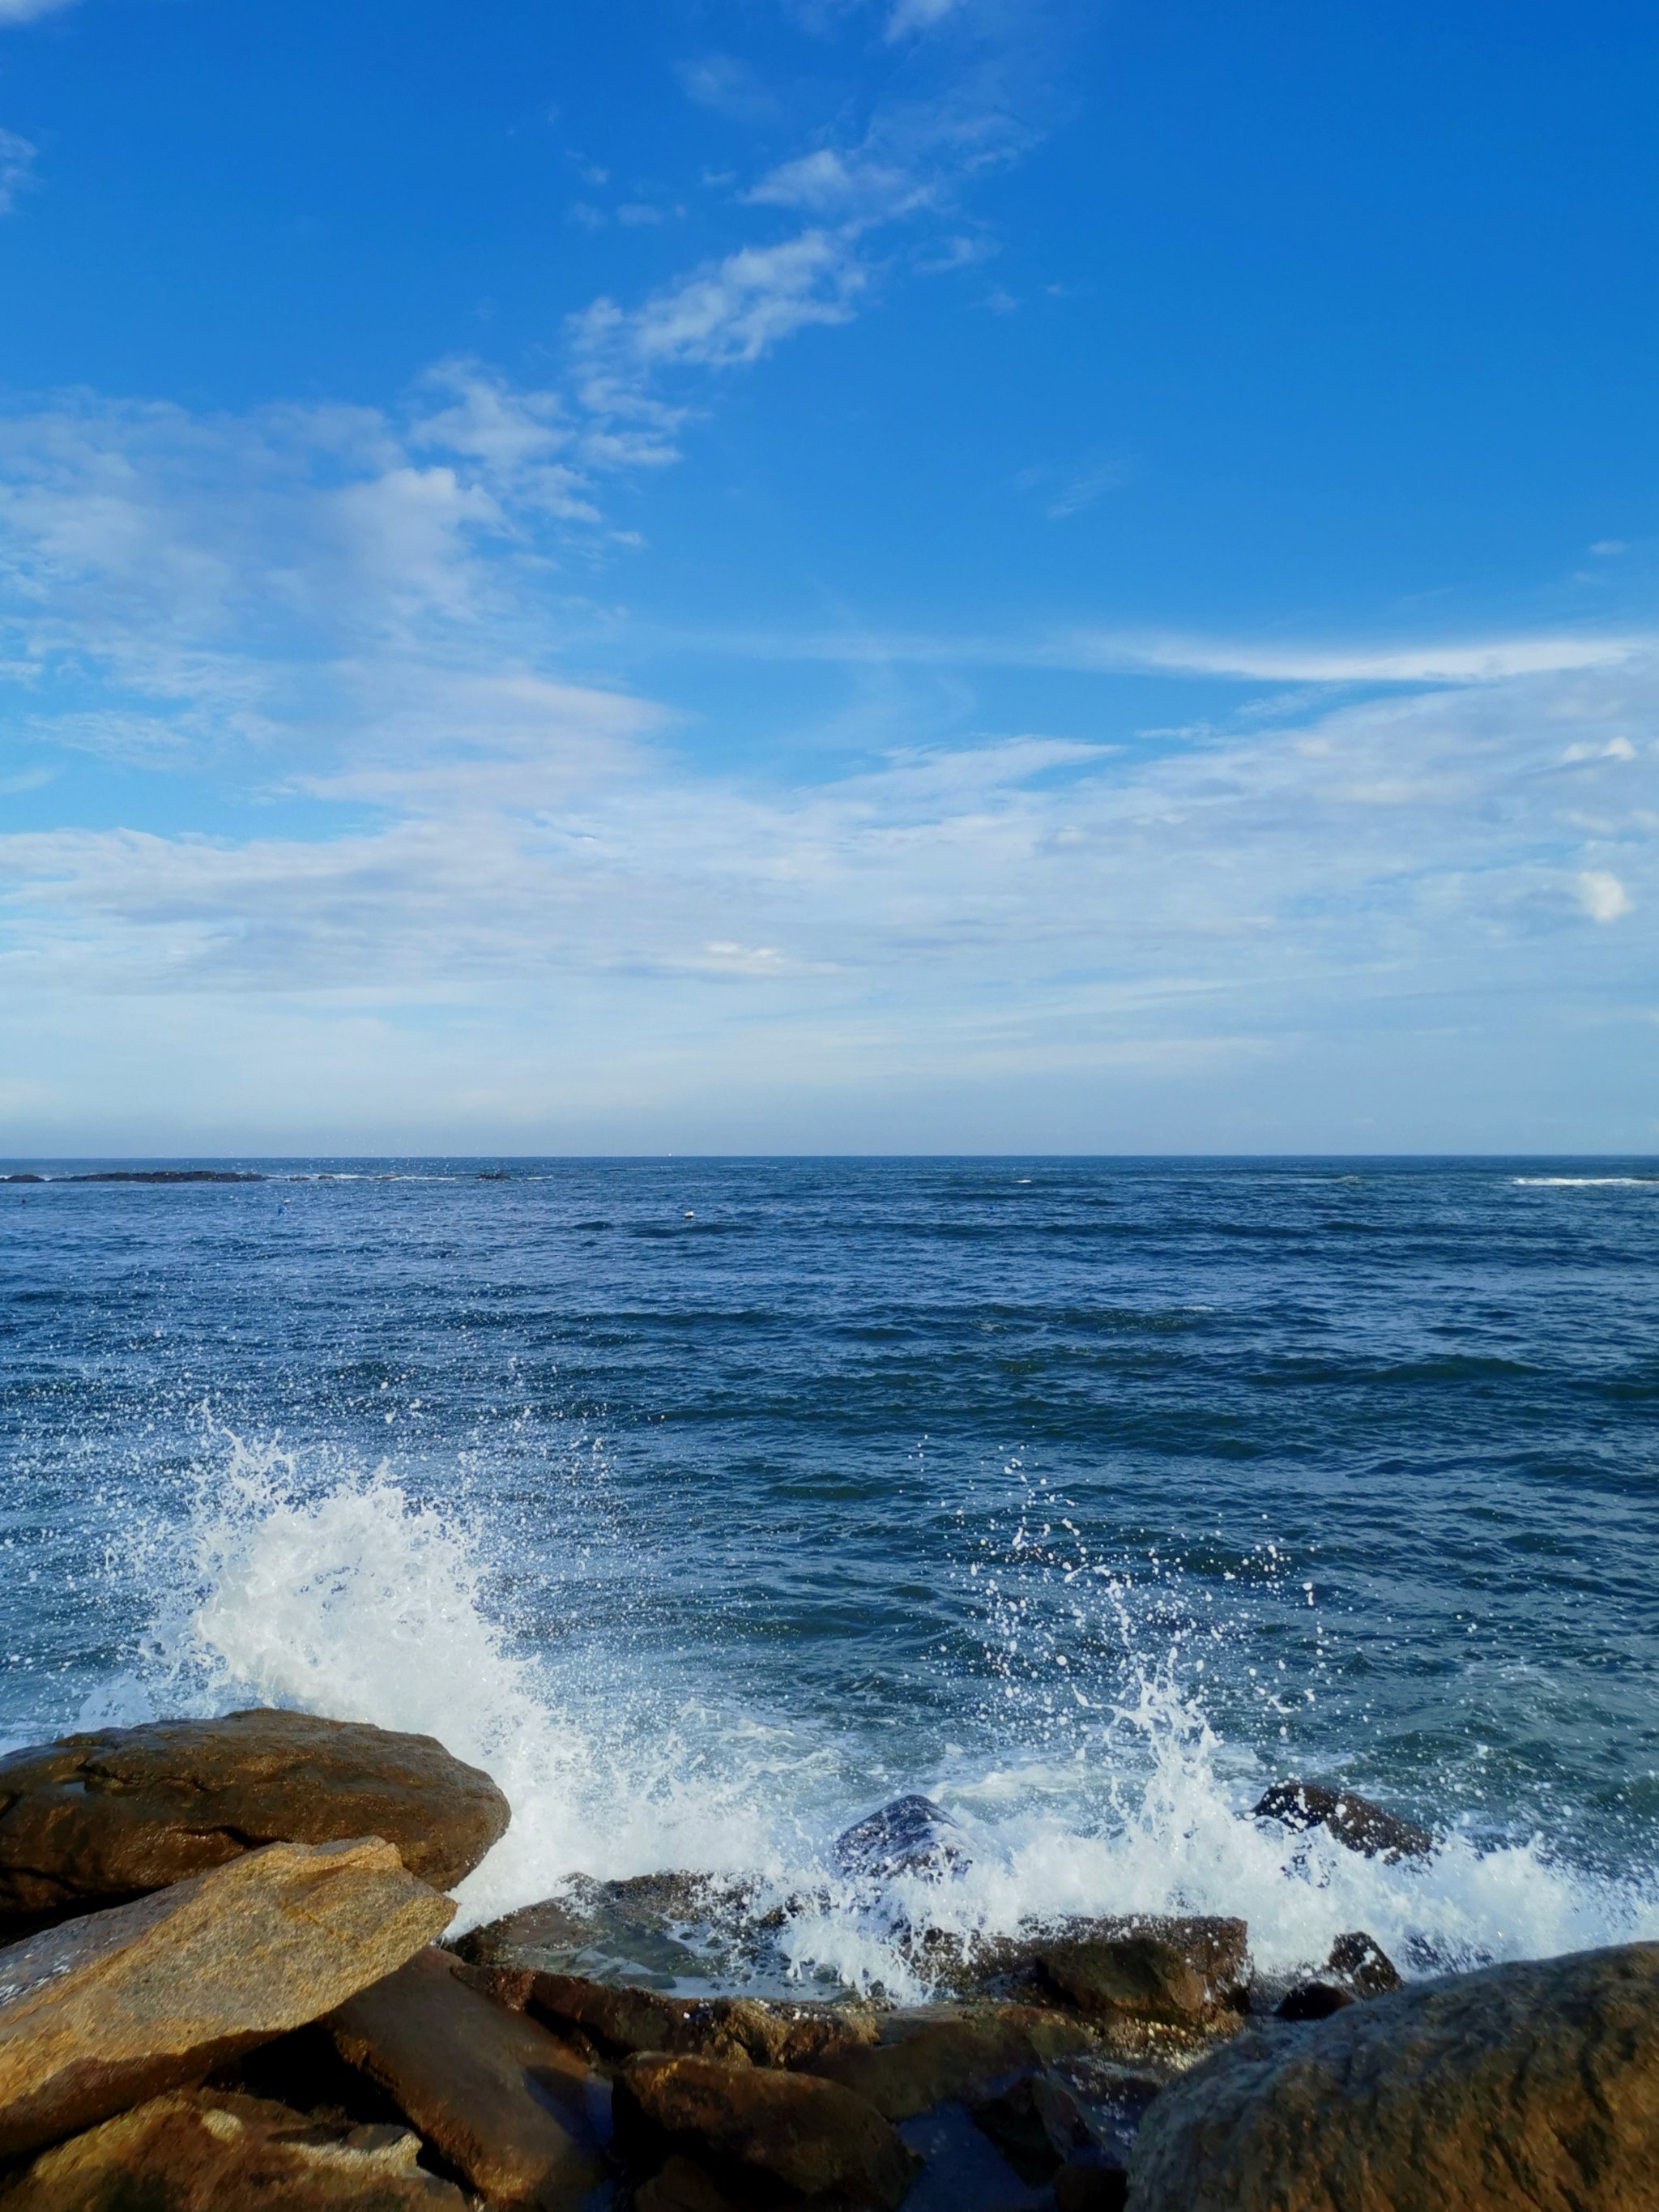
[1355,1821]
[208,2151]
[1534,2085]
[790,2136]
[94,1819]
[615,2023]
[103,2012]
[508,2104]
[912,1835]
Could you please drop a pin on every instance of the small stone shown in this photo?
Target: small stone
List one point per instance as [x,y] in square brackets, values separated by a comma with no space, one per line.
[508,2105]
[212,2151]
[1369,1829]
[103,2012]
[94,1819]
[768,2131]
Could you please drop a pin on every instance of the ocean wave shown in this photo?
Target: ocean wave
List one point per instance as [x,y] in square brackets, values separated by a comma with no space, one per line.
[341,1593]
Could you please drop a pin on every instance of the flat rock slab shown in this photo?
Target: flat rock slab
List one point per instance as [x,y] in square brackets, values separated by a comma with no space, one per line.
[102,2012]
[657,1928]
[98,1818]
[205,2151]
[508,2105]
[1534,2085]
[617,2023]
[931,2058]
[792,2136]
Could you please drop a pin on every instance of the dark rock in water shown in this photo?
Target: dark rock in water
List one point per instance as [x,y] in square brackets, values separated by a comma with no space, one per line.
[1082,2186]
[125,2005]
[95,1818]
[1354,1820]
[617,2023]
[932,2056]
[1083,2107]
[1529,2085]
[213,2151]
[166,1175]
[22,1178]
[658,1929]
[909,1836]
[508,2105]
[1313,2000]
[1359,1962]
[791,2135]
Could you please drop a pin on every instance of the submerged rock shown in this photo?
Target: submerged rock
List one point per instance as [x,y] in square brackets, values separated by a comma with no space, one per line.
[1356,1821]
[102,2012]
[97,1818]
[792,2134]
[213,2151]
[1521,2084]
[509,2106]
[911,1835]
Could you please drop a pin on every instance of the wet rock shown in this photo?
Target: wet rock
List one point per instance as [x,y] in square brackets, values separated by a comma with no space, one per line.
[682,2186]
[911,1835]
[617,2023]
[1354,1820]
[1189,1975]
[1359,1962]
[932,2056]
[508,2105]
[658,1929]
[94,1819]
[1526,2085]
[209,2151]
[794,2133]
[1085,2108]
[1082,2186]
[102,2012]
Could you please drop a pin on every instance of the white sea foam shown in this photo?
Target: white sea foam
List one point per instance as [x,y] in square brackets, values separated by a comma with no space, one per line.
[1584,1182]
[350,1598]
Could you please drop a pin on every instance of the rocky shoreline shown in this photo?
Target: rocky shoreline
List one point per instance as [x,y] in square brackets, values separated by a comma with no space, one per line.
[225,1982]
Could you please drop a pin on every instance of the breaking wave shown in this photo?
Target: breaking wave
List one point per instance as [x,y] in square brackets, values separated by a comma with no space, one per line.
[345,1595]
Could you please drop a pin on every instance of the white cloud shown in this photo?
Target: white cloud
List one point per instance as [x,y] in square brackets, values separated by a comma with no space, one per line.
[16,166]
[912,15]
[1602,894]
[728,311]
[27,11]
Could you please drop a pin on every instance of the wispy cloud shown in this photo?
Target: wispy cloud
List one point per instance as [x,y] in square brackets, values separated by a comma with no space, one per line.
[17,168]
[27,11]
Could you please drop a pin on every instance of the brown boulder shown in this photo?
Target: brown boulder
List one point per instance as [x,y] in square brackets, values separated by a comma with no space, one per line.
[1369,1829]
[101,2012]
[97,1818]
[510,2107]
[1176,1973]
[771,2131]
[682,2186]
[208,2151]
[929,2056]
[1534,2085]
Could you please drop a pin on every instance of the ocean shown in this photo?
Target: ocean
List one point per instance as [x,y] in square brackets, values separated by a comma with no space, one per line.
[711,1503]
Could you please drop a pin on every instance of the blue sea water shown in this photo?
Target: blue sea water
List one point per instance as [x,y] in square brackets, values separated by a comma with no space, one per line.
[709,1503]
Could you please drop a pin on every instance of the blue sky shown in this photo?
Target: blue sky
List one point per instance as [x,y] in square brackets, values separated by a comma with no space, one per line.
[827,574]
